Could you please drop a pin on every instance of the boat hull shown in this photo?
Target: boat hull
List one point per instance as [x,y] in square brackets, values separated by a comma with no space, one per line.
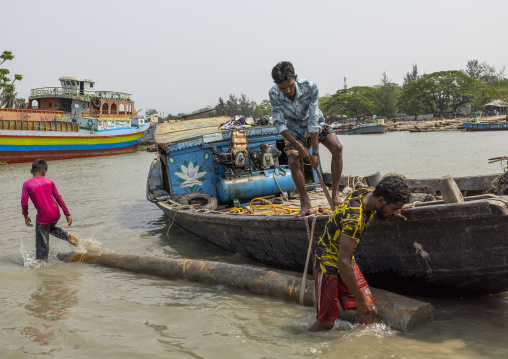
[471,126]
[26,146]
[362,130]
[442,250]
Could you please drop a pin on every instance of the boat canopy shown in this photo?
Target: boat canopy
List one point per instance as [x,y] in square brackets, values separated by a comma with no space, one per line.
[169,133]
[202,130]
[71,81]
[496,103]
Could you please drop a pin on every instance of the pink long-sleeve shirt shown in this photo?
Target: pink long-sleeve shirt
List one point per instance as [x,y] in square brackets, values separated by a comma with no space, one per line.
[41,191]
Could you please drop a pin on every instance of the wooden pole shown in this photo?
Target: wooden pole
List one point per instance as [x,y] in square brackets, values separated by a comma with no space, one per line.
[396,311]
[449,190]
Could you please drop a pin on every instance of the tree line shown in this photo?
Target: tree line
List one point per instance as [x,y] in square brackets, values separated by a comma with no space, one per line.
[233,106]
[436,93]
[242,106]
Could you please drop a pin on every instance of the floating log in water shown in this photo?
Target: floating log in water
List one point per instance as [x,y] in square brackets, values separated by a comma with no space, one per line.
[396,311]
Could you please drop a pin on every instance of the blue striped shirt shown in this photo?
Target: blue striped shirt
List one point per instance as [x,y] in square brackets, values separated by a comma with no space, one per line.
[300,115]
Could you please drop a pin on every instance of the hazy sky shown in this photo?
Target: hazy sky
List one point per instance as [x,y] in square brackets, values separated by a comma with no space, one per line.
[179,56]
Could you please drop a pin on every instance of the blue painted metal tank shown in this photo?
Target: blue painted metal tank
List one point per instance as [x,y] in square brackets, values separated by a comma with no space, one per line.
[259,184]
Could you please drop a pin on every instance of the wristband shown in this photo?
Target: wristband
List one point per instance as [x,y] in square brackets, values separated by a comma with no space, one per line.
[315,154]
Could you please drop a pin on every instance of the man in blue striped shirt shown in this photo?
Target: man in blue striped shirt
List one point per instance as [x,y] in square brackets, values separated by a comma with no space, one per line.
[297,117]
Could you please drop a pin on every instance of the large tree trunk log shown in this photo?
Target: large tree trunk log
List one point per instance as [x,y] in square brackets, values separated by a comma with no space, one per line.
[396,311]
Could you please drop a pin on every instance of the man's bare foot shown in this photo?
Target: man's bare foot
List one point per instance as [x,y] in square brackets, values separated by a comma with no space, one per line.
[337,201]
[72,239]
[305,211]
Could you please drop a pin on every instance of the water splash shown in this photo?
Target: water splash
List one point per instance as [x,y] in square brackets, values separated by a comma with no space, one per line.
[88,245]
[28,254]
[27,249]
[379,330]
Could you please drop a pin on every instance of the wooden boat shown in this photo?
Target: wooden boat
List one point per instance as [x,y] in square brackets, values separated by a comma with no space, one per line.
[367,129]
[441,250]
[70,121]
[485,126]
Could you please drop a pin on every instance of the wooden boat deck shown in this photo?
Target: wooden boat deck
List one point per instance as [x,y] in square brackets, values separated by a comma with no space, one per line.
[316,196]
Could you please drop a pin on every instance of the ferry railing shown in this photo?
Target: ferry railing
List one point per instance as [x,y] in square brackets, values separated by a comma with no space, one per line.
[57,126]
[33,110]
[77,94]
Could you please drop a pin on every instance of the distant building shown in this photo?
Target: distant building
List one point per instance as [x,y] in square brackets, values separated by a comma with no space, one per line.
[500,106]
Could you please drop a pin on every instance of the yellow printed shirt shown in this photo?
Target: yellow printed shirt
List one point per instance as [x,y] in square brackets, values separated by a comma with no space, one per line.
[349,218]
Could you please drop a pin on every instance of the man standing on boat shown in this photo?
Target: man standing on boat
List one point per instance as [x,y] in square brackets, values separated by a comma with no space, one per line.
[297,117]
[336,274]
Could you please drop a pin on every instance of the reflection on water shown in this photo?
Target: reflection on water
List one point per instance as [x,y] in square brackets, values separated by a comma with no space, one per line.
[46,307]
[77,310]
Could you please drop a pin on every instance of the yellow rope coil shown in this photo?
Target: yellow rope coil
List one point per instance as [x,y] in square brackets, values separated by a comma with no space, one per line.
[270,209]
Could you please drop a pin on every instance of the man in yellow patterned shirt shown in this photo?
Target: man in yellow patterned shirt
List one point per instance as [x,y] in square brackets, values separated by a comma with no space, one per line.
[336,274]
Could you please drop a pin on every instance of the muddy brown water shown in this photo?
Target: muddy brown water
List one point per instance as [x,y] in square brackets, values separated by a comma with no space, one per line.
[75,310]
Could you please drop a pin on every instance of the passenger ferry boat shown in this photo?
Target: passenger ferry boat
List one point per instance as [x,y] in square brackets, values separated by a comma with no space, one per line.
[74,120]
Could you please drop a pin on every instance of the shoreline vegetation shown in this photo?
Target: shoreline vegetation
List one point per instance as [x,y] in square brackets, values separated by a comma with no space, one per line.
[437,124]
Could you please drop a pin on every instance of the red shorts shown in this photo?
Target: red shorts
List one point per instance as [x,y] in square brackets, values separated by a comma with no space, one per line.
[329,288]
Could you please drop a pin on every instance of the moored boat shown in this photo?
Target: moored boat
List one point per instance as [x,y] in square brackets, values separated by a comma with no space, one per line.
[442,249]
[366,129]
[70,121]
[485,125]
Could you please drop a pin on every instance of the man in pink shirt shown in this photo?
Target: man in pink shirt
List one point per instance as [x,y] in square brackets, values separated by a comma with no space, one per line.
[43,193]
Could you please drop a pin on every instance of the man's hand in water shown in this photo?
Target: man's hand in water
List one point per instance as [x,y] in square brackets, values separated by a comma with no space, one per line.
[366,310]
[69,219]
[28,221]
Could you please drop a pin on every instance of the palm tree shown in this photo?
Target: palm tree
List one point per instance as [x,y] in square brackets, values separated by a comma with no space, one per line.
[9,99]
[7,95]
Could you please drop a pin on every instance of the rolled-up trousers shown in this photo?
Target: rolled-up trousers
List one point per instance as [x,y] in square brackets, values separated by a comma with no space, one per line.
[42,232]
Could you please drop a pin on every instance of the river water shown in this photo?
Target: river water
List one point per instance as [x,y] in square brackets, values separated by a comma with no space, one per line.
[77,310]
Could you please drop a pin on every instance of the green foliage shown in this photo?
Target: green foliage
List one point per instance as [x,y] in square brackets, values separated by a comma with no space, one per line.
[502,93]
[411,76]
[242,106]
[502,90]
[8,94]
[6,56]
[151,112]
[264,108]
[386,96]
[442,92]
[484,72]
[358,100]
[245,106]
[220,109]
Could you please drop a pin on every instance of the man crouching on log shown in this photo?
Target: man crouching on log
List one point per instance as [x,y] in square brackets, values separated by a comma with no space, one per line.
[336,274]
[297,117]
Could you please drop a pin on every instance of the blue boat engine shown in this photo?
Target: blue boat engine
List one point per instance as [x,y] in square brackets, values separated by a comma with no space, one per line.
[251,172]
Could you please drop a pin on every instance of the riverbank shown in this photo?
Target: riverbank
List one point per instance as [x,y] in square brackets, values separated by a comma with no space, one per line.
[436,125]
